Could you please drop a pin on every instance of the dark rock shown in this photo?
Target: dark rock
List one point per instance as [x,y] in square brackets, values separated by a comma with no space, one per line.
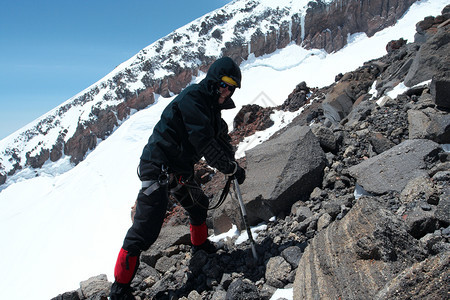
[420,222]
[242,290]
[38,160]
[292,255]
[443,208]
[395,45]
[379,142]
[197,261]
[326,137]
[440,89]
[3,178]
[297,98]
[79,144]
[277,271]
[323,22]
[174,235]
[427,61]
[68,296]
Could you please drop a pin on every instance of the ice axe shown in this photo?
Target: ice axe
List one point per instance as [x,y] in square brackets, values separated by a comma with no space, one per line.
[237,190]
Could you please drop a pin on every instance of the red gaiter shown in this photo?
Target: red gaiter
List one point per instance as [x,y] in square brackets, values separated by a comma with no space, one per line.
[199,234]
[125,267]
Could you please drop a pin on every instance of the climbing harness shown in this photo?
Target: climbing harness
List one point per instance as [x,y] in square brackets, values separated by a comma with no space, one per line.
[149,186]
[167,179]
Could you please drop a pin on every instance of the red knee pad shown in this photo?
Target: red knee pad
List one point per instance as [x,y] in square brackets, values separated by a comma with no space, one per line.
[126,266]
[199,234]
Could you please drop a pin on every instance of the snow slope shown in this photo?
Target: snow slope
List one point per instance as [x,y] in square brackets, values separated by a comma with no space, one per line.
[68,224]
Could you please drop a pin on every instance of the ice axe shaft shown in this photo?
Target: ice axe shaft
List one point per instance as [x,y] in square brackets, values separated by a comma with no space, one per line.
[244,217]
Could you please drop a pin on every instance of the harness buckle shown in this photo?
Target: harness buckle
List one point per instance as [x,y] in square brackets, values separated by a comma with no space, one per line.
[163,178]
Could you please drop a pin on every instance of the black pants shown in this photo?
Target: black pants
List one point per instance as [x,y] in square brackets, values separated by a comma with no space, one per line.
[151,210]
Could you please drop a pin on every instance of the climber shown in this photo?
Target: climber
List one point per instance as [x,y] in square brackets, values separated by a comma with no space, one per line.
[190,128]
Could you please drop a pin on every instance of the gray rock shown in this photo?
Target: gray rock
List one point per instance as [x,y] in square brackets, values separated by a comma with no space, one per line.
[219,295]
[241,289]
[418,188]
[169,236]
[323,221]
[300,211]
[429,124]
[194,295]
[359,113]
[326,137]
[393,169]
[277,271]
[292,255]
[165,263]
[95,286]
[333,208]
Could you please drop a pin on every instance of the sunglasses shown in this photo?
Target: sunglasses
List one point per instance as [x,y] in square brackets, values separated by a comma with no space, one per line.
[226,85]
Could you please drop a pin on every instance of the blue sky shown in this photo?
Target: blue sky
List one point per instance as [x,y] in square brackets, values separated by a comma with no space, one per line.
[52,49]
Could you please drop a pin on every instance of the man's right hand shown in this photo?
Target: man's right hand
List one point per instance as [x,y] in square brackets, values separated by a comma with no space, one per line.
[240,175]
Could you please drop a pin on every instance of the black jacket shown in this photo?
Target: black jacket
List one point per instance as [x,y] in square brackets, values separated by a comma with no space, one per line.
[191,126]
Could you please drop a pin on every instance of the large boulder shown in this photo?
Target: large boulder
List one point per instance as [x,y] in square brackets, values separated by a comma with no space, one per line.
[394,168]
[357,256]
[282,171]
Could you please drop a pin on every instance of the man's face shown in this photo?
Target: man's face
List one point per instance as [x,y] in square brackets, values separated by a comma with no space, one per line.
[225,91]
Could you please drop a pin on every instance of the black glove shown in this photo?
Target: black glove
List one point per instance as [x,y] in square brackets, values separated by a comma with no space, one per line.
[239,175]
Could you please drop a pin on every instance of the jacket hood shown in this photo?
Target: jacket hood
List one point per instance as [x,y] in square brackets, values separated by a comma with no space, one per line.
[224,66]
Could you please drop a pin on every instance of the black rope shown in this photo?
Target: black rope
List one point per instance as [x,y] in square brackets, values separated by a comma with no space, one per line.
[222,198]
[224,194]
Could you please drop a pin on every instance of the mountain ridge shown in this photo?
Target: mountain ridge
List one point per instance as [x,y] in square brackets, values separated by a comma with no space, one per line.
[75,128]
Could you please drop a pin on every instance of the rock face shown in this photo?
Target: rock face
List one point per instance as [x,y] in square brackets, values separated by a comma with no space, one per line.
[327,26]
[355,257]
